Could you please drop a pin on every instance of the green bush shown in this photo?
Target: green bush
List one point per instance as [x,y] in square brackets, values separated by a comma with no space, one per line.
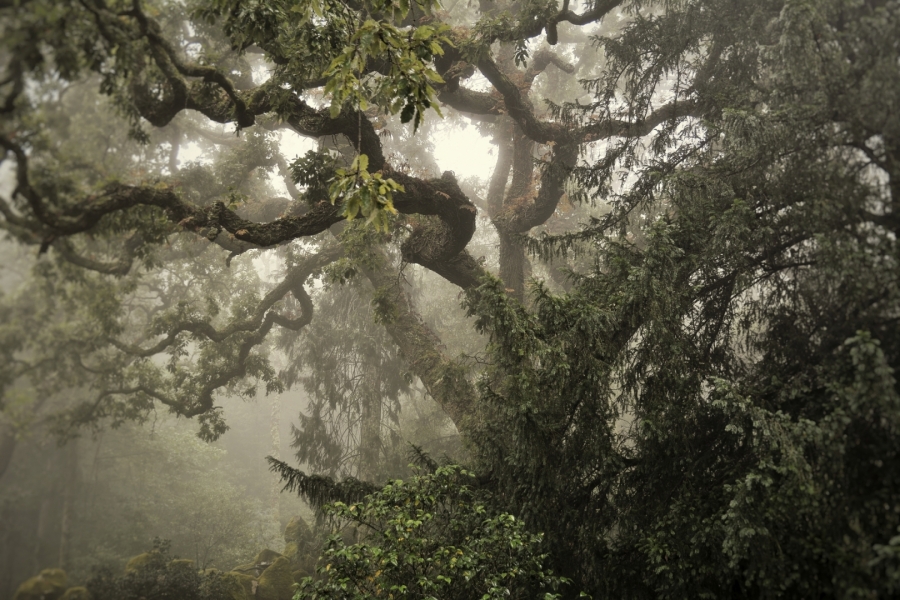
[156,576]
[432,536]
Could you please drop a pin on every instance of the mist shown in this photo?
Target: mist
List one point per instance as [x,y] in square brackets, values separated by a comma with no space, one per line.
[353,299]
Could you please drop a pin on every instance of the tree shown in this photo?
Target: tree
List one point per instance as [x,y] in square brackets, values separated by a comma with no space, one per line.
[120,491]
[709,410]
[158,576]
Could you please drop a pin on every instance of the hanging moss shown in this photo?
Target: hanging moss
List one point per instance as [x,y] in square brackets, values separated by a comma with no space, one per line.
[50,584]
[76,593]
[277,582]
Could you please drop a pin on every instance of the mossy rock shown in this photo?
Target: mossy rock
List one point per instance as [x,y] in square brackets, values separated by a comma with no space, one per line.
[300,574]
[291,550]
[300,557]
[259,564]
[306,562]
[245,569]
[297,531]
[276,582]
[76,593]
[182,564]
[141,561]
[267,557]
[237,586]
[50,584]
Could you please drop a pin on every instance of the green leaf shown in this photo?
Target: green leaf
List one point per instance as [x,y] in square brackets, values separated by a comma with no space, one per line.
[408,112]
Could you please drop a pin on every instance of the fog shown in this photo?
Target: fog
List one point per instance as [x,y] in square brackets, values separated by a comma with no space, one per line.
[354,299]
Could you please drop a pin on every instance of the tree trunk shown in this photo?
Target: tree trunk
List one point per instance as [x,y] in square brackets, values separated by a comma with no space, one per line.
[41,532]
[520,194]
[7,447]
[370,425]
[70,485]
[512,266]
[443,377]
[275,432]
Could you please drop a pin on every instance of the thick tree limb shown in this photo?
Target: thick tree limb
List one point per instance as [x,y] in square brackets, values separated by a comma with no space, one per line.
[444,379]
[519,108]
[471,102]
[521,215]
[438,197]
[543,132]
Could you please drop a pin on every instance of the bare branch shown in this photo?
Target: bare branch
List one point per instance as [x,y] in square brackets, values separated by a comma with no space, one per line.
[120,267]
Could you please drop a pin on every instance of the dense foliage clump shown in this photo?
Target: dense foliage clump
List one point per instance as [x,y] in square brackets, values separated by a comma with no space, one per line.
[155,575]
[432,536]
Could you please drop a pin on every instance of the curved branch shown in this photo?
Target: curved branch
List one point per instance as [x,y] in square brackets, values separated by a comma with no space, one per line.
[543,132]
[519,217]
[606,128]
[200,402]
[151,30]
[542,59]
[519,108]
[293,283]
[120,267]
[471,102]
[600,9]
[441,197]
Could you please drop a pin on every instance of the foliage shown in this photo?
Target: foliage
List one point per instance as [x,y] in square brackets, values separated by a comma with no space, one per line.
[705,405]
[431,536]
[713,410]
[364,193]
[344,364]
[159,577]
[407,85]
[319,490]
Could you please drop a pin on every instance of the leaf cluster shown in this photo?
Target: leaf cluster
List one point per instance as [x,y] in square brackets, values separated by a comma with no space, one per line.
[406,81]
[370,195]
[432,536]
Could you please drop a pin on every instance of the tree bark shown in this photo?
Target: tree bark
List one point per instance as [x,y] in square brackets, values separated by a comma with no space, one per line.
[275,433]
[70,485]
[7,447]
[370,425]
[512,252]
[444,379]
